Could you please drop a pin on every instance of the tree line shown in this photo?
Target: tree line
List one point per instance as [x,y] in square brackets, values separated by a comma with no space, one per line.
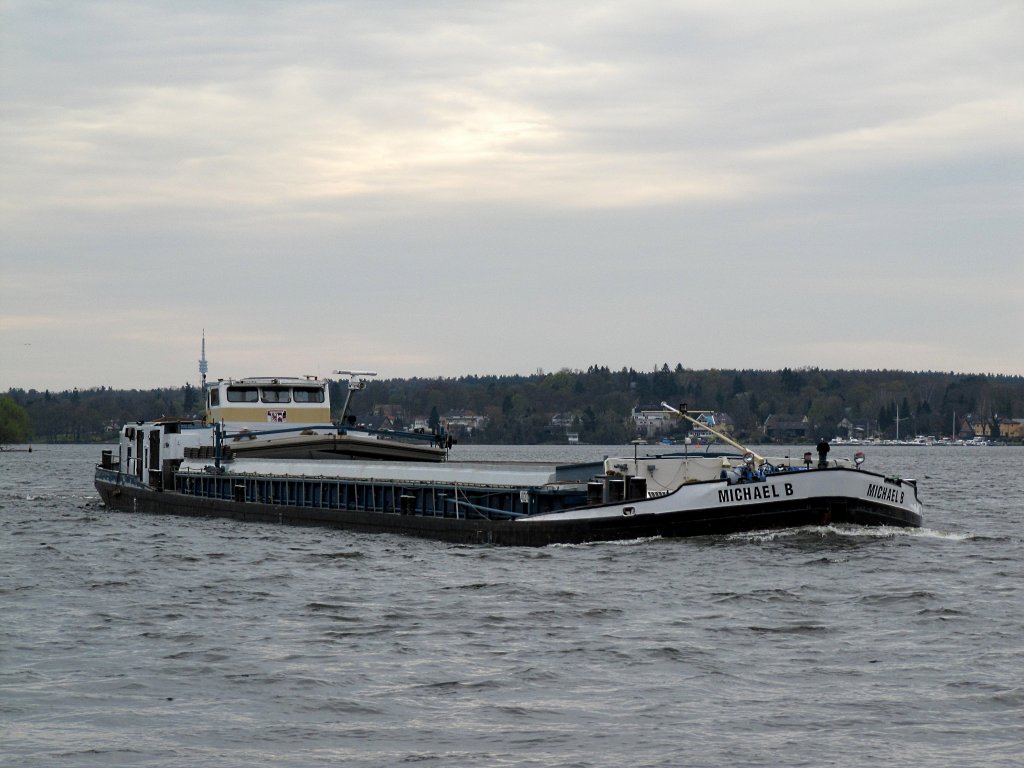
[595,403]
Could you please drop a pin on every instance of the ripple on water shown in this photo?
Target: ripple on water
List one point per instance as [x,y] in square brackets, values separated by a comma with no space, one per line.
[139,640]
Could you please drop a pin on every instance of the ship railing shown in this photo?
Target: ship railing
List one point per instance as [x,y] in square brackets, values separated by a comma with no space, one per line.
[461,500]
[246,433]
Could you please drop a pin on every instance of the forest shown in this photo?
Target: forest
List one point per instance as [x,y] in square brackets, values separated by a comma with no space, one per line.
[596,403]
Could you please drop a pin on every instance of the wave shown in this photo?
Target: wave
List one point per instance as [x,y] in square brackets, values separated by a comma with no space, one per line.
[850,532]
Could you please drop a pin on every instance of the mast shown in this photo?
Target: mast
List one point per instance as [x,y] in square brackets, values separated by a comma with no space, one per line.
[203,366]
[356,382]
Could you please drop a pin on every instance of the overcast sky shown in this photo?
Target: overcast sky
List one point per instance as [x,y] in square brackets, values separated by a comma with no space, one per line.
[448,188]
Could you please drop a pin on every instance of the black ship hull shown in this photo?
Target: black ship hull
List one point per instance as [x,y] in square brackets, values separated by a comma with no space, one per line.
[572,527]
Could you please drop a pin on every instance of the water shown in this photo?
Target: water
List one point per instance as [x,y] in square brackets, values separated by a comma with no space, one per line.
[129,640]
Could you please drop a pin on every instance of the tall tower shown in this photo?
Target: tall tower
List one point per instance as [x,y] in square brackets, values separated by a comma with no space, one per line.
[203,366]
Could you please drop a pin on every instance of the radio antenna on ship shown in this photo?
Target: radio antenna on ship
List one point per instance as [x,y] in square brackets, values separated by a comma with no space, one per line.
[203,366]
[356,382]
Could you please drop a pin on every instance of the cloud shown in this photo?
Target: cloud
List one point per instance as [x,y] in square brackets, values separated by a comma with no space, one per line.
[28,322]
[469,187]
[967,128]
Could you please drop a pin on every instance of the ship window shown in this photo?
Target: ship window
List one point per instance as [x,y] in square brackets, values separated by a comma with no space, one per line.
[214,397]
[309,394]
[276,395]
[243,395]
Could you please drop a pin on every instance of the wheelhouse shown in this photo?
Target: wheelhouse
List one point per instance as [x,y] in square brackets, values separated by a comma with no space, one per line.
[266,403]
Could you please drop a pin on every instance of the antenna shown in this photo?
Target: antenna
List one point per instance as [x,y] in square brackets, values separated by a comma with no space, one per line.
[357,382]
[357,379]
[203,365]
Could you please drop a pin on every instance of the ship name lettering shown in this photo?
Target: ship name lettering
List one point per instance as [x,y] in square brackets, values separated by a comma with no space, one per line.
[882,493]
[753,492]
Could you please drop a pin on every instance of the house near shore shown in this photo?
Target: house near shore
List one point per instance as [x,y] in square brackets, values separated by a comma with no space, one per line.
[655,421]
[652,420]
[463,422]
[785,428]
[993,429]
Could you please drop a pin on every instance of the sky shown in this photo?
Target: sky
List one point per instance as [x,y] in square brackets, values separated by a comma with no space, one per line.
[472,188]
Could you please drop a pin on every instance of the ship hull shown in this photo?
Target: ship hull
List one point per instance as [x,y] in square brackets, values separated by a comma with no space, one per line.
[701,509]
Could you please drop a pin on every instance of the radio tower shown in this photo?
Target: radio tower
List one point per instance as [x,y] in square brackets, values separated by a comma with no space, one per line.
[203,367]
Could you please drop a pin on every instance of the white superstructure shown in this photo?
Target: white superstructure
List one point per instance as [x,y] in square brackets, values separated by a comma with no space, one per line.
[265,403]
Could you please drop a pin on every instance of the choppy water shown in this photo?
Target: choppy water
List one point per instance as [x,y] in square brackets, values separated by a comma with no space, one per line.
[129,640]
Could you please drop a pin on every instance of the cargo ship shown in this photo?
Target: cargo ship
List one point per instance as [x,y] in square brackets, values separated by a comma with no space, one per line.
[267,451]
